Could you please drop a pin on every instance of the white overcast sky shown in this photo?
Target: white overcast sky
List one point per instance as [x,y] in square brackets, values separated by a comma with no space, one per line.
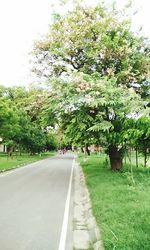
[23,21]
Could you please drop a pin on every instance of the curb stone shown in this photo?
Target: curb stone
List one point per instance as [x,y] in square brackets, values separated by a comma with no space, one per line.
[86,234]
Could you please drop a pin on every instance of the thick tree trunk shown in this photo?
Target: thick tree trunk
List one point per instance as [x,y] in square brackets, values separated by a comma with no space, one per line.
[87,150]
[115,158]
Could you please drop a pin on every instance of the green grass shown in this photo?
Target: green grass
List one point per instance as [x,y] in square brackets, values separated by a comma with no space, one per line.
[121,203]
[18,161]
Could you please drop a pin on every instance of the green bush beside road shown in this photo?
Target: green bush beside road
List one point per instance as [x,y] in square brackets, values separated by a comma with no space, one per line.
[120,202]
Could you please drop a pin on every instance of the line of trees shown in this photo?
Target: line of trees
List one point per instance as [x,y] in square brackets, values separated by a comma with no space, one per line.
[22,126]
[98,70]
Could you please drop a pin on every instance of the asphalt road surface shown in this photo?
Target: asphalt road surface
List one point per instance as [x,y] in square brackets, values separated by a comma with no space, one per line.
[32,205]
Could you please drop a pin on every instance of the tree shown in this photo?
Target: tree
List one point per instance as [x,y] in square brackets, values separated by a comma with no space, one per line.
[99,44]
[137,135]
[8,119]
[21,119]
[94,111]
[143,124]
[95,39]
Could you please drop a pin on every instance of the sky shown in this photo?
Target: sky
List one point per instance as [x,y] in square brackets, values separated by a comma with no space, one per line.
[24,21]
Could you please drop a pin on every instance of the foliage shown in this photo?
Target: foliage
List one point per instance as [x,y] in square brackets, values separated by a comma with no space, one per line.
[96,62]
[8,119]
[21,120]
[95,40]
[92,110]
[137,135]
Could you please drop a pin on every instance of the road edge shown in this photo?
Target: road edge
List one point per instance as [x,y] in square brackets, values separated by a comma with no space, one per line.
[63,236]
[86,234]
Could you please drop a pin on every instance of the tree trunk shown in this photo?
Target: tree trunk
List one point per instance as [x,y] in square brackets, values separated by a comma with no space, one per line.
[87,150]
[10,152]
[145,158]
[125,155]
[115,158]
[82,150]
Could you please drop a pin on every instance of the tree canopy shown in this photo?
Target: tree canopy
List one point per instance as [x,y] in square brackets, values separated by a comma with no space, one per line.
[98,69]
[22,126]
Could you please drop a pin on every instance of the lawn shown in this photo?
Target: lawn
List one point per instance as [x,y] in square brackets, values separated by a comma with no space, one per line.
[18,161]
[121,203]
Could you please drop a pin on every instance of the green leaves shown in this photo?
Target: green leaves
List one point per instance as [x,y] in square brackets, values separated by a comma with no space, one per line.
[23,120]
[104,126]
[96,62]
[96,39]
[137,133]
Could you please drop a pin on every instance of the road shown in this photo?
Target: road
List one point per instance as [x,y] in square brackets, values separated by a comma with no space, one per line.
[32,205]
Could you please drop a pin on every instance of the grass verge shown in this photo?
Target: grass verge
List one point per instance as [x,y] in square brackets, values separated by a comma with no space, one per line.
[18,161]
[121,203]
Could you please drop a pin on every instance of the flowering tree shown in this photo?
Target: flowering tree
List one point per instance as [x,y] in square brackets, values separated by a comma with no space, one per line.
[97,61]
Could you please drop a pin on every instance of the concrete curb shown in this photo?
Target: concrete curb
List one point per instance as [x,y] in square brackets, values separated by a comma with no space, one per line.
[86,234]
